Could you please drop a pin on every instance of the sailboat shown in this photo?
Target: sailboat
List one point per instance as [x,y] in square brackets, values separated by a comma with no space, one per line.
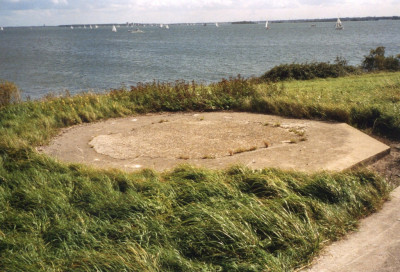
[90,26]
[1,28]
[72,27]
[216,24]
[167,26]
[266,25]
[338,25]
[114,29]
[96,26]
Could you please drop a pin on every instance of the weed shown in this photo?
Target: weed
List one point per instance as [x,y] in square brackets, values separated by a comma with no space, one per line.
[9,93]
[297,132]
[208,157]
[244,149]
[277,124]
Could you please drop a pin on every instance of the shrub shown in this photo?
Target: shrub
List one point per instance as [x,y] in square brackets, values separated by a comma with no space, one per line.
[309,71]
[376,61]
[9,93]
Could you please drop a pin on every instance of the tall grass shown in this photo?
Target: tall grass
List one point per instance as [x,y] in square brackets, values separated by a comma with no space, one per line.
[71,218]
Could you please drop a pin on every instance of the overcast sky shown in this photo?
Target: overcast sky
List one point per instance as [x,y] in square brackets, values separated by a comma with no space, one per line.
[56,12]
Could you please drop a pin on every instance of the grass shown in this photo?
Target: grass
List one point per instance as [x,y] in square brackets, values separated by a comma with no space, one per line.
[58,217]
[71,218]
[370,101]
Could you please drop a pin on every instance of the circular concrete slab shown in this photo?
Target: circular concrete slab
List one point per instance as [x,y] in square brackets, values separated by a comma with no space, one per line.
[214,140]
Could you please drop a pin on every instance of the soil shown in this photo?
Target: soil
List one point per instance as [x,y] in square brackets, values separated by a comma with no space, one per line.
[389,166]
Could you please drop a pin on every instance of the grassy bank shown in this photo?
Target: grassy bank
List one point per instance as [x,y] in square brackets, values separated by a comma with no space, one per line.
[369,101]
[57,217]
[60,218]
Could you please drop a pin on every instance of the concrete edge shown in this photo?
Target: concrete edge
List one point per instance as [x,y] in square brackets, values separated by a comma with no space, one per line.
[370,160]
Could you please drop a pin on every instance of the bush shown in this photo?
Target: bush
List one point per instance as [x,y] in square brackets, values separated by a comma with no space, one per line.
[9,93]
[376,61]
[309,71]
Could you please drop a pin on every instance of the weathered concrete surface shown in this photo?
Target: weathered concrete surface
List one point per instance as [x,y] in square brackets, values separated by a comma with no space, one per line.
[215,140]
[374,247]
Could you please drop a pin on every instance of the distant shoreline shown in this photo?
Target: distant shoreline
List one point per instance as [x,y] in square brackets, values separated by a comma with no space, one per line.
[323,20]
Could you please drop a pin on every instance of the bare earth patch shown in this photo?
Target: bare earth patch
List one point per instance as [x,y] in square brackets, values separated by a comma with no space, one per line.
[215,140]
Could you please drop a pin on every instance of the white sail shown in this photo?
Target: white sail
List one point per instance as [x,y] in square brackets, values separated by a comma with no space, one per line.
[167,26]
[266,25]
[84,26]
[1,28]
[96,26]
[72,27]
[216,24]
[339,25]
[90,26]
[114,29]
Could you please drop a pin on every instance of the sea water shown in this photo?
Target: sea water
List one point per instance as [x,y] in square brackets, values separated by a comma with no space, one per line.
[44,60]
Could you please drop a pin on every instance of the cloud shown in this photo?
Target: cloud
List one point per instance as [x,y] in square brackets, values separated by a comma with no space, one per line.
[62,2]
[153,5]
[30,4]
[321,3]
[37,12]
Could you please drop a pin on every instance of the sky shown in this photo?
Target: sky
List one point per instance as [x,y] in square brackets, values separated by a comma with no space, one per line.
[60,12]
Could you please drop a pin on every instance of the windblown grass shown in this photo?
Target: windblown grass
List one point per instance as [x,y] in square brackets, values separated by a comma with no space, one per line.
[57,217]
[70,218]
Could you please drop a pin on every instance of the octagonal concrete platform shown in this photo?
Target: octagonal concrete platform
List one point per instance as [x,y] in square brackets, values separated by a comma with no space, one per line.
[215,140]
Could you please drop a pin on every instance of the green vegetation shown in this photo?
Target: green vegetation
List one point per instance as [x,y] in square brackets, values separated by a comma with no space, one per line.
[58,217]
[309,71]
[70,218]
[376,61]
[370,101]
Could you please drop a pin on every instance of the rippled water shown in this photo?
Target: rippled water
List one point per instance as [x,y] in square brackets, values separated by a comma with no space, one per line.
[53,59]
